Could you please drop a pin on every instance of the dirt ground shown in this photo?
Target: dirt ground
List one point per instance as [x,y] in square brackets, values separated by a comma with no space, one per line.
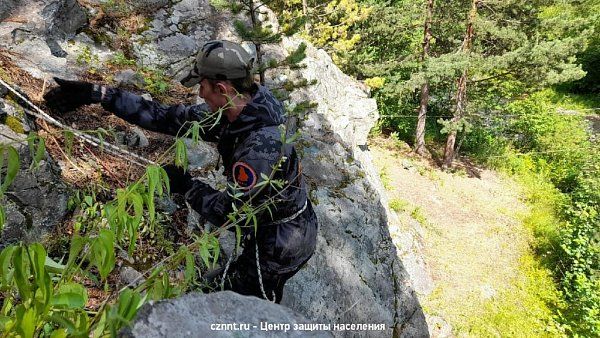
[473,237]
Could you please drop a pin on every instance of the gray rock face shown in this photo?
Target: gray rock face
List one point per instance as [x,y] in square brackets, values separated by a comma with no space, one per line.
[148,5]
[343,102]
[6,7]
[201,315]
[176,33]
[129,77]
[36,201]
[35,30]
[63,18]
[356,263]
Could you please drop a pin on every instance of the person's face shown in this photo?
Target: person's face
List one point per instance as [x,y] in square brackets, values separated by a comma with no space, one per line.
[213,95]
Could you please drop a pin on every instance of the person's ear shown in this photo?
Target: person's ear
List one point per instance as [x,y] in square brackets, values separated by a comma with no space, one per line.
[221,88]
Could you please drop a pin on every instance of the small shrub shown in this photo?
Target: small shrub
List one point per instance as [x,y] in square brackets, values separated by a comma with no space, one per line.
[385,179]
[120,60]
[398,205]
[85,57]
[418,215]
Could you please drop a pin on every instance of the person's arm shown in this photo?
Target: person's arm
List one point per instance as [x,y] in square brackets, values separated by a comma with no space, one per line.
[154,116]
[215,205]
[69,95]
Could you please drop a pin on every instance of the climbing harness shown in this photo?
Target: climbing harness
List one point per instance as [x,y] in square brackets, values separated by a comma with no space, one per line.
[235,253]
[111,148]
[292,217]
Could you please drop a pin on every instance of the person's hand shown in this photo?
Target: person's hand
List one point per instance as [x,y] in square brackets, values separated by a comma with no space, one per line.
[179,181]
[70,95]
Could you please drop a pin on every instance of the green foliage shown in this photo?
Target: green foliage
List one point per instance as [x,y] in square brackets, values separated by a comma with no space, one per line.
[103,252]
[296,56]
[560,173]
[398,205]
[68,138]
[256,34]
[155,82]
[120,60]
[8,172]
[385,178]
[209,250]
[37,149]
[33,296]
[327,25]
[418,215]
[562,138]
[10,156]
[14,124]
[116,7]
[181,158]
[86,57]
[572,18]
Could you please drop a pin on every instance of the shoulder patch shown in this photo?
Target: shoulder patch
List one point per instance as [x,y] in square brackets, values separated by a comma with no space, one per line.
[244,175]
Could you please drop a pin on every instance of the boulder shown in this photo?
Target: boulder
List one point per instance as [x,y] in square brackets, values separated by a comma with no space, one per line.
[29,217]
[175,35]
[35,33]
[214,315]
[6,7]
[355,275]
[343,102]
[63,18]
[129,77]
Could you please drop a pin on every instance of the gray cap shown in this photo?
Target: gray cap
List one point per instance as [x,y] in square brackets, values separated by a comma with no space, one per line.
[219,60]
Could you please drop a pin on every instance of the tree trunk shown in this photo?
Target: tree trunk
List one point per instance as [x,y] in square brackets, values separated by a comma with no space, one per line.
[420,131]
[305,12]
[255,23]
[461,90]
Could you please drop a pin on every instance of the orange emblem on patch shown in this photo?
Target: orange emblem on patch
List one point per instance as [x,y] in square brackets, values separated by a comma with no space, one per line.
[244,175]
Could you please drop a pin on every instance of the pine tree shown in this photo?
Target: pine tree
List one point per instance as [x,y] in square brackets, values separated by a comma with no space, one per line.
[261,33]
[420,130]
[461,91]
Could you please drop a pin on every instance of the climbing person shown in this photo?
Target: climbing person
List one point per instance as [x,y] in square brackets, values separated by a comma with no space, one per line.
[249,142]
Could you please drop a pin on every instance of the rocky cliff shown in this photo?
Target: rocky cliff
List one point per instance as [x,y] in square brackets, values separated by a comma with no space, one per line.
[356,275]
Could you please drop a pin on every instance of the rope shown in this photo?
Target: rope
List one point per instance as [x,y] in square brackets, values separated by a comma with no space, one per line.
[113,149]
[260,281]
[561,112]
[229,260]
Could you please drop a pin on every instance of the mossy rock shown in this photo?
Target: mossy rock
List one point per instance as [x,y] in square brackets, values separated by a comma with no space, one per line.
[14,124]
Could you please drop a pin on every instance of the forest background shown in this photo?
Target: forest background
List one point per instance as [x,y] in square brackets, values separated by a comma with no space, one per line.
[512,85]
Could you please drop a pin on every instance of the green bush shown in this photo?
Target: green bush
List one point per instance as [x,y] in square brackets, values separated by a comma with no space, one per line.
[398,205]
[559,171]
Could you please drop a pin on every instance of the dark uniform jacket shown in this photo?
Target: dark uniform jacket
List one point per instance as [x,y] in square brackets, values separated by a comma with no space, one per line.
[250,147]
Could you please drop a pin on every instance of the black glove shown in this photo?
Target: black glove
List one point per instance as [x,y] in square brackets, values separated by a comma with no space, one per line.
[70,95]
[179,181]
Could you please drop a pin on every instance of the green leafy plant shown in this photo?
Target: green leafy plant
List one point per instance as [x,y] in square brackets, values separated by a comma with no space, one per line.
[398,205]
[10,156]
[88,58]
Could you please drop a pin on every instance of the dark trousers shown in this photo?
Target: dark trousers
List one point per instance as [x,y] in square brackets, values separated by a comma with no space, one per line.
[242,277]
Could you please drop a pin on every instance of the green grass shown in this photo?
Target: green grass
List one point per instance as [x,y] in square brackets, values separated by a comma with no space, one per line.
[398,205]
[385,179]
[572,101]
[418,215]
[524,309]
